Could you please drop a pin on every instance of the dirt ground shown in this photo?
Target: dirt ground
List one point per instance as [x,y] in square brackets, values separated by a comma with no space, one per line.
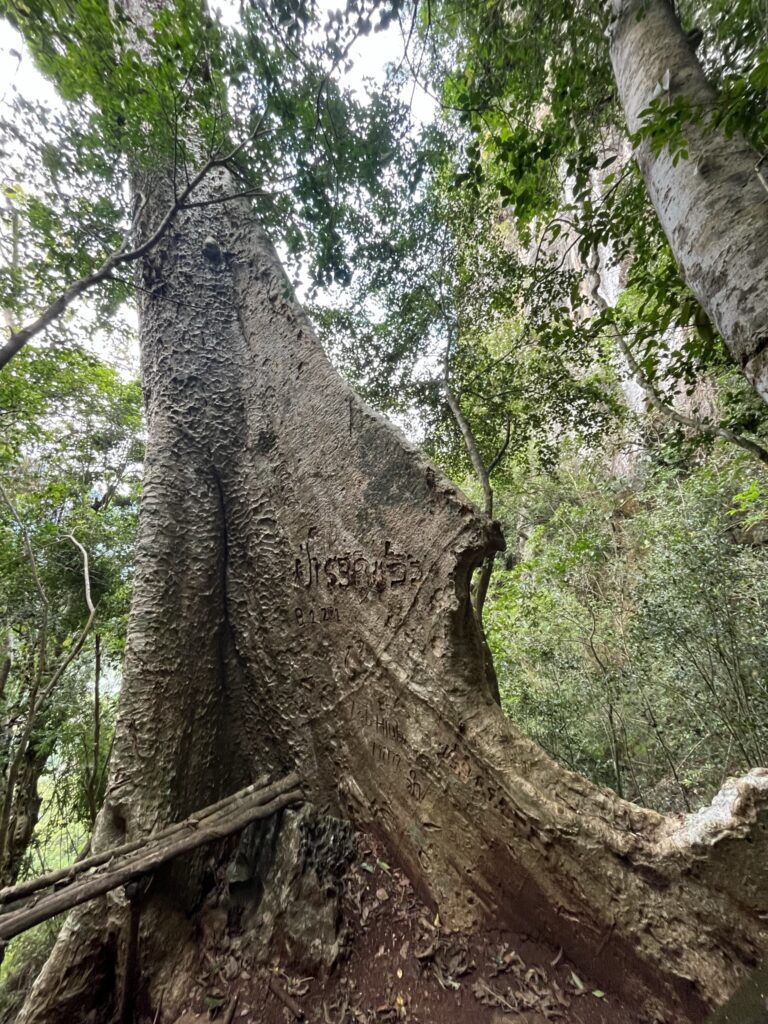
[401,964]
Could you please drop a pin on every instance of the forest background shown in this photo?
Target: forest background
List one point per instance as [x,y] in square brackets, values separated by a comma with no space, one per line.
[495,279]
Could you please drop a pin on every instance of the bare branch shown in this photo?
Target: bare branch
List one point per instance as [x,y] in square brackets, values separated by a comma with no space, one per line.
[67,874]
[86,572]
[152,853]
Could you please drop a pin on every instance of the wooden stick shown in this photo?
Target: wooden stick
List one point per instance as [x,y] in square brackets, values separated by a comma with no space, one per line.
[229,1016]
[144,861]
[68,874]
[286,999]
[130,972]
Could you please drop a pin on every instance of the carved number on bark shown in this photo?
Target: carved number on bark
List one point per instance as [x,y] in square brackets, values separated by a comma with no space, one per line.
[324,614]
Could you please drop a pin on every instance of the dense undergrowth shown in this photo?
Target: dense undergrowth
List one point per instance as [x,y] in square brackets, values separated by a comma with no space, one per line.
[627,622]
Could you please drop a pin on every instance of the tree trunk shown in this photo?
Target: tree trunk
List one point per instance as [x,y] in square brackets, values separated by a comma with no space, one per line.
[713,206]
[302,602]
[23,815]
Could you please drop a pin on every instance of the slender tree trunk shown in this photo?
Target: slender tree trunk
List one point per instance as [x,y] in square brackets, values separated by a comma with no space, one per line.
[23,814]
[713,206]
[302,602]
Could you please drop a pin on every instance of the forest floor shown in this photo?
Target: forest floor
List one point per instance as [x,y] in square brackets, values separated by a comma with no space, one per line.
[401,964]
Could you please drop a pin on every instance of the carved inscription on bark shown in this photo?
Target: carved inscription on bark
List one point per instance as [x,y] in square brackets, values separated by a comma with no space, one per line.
[482,790]
[314,568]
[390,749]
[323,614]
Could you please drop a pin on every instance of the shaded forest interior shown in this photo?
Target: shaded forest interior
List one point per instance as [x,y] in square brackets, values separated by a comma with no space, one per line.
[487,426]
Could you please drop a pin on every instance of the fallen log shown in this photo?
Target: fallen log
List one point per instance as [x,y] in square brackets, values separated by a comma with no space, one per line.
[258,789]
[133,861]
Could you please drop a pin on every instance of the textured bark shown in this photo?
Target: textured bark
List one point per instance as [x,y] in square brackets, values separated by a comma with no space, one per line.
[713,206]
[302,601]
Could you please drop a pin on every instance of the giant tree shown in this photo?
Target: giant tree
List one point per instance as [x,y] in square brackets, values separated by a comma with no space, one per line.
[302,595]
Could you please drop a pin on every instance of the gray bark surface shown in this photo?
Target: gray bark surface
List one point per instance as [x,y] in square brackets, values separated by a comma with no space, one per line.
[712,206]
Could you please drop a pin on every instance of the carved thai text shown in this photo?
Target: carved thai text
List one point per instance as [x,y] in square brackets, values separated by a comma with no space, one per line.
[317,569]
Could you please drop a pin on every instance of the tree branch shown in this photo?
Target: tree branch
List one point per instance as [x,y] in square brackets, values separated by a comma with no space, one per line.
[482,471]
[466,432]
[503,449]
[259,790]
[240,811]
[19,339]
[86,572]
[483,474]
